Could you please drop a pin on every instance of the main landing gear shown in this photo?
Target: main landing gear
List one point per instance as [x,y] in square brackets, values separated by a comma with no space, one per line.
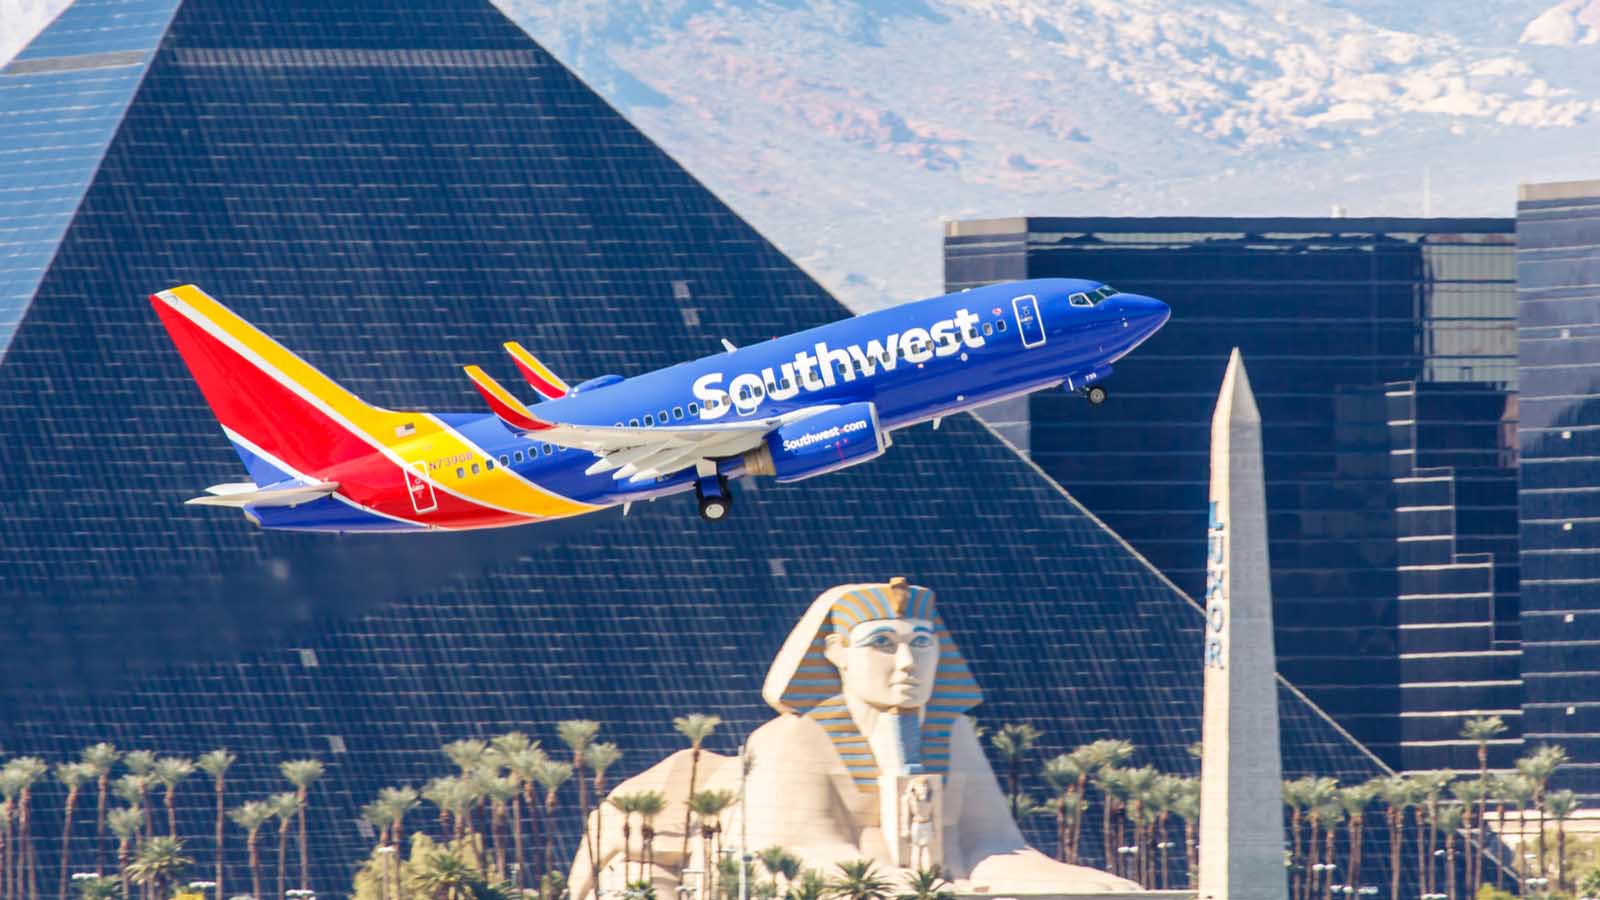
[716,498]
[1095,394]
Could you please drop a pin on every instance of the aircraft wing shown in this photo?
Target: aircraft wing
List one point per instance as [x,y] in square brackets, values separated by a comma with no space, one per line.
[636,454]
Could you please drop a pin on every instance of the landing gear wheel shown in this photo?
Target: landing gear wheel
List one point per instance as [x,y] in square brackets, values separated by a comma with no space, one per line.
[1095,395]
[714,508]
[716,500]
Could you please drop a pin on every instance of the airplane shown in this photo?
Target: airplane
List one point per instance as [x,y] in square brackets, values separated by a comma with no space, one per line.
[790,408]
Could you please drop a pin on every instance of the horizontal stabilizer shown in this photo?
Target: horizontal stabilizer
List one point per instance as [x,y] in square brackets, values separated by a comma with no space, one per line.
[240,494]
[509,409]
[547,383]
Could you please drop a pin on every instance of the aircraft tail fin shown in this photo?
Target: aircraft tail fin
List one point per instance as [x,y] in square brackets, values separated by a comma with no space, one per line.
[286,419]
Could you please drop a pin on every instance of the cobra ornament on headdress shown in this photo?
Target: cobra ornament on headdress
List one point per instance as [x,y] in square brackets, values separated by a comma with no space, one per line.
[802,681]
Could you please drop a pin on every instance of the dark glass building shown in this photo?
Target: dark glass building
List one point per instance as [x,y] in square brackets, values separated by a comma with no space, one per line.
[1558,364]
[1453,451]
[1327,312]
[392,188]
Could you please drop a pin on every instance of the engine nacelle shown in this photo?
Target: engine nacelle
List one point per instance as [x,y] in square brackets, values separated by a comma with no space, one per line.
[823,443]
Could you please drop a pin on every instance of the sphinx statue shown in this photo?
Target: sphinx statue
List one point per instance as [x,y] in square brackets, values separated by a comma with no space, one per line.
[871,756]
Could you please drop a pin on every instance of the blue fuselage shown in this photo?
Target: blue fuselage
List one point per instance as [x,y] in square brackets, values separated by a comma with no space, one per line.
[916,362]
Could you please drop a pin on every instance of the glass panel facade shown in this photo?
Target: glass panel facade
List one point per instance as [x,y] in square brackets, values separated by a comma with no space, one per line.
[61,99]
[1326,312]
[392,189]
[1558,292]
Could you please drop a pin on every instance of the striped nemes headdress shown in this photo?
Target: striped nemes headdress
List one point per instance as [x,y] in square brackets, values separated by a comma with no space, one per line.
[803,682]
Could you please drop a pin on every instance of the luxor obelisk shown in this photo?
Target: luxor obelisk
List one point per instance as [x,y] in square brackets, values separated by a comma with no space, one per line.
[1241,787]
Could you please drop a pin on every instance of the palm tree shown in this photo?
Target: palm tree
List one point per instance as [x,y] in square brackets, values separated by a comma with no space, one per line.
[1138,783]
[1294,797]
[578,734]
[1538,767]
[396,803]
[627,804]
[1066,774]
[649,805]
[215,764]
[27,770]
[73,776]
[1014,742]
[551,776]
[301,773]
[1354,801]
[10,787]
[97,888]
[1187,807]
[1481,730]
[811,886]
[1470,794]
[1430,788]
[1103,757]
[500,791]
[1447,820]
[469,754]
[708,807]
[171,771]
[446,876]
[1085,760]
[160,863]
[779,863]
[251,816]
[1319,797]
[1561,804]
[284,807]
[599,757]
[1518,789]
[141,763]
[927,884]
[858,880]
[695,727]
[100,758]
[522,763]
[1398,794]
[127,824]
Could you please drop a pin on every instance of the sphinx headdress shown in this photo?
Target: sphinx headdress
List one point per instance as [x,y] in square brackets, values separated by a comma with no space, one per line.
[802,681]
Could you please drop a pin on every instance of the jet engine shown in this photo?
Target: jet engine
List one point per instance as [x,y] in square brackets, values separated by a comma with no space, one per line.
[819,444]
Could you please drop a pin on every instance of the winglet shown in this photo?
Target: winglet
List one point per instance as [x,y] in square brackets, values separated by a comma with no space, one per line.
[536,373]
[508,408]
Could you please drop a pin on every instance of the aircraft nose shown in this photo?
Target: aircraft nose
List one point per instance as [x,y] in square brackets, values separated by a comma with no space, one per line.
[1147,314]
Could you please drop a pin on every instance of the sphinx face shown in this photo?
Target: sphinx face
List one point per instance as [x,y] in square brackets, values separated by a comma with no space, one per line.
[888,663]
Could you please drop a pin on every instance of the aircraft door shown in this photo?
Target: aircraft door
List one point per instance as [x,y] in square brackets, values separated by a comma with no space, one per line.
[1029,325]
[420,488]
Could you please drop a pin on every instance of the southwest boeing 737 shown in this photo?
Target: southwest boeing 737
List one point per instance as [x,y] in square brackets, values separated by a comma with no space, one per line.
[791,408]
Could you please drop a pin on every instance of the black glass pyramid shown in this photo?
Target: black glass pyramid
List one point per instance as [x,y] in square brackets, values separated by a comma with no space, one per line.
[393,189]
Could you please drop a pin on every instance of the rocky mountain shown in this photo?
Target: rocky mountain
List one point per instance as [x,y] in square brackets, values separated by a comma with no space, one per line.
[847,130]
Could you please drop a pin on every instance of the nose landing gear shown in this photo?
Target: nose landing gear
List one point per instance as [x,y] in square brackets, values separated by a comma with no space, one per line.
[1095,394]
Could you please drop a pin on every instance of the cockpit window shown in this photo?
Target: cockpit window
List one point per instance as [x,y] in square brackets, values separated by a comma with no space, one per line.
[1080,300]
[1104,292]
